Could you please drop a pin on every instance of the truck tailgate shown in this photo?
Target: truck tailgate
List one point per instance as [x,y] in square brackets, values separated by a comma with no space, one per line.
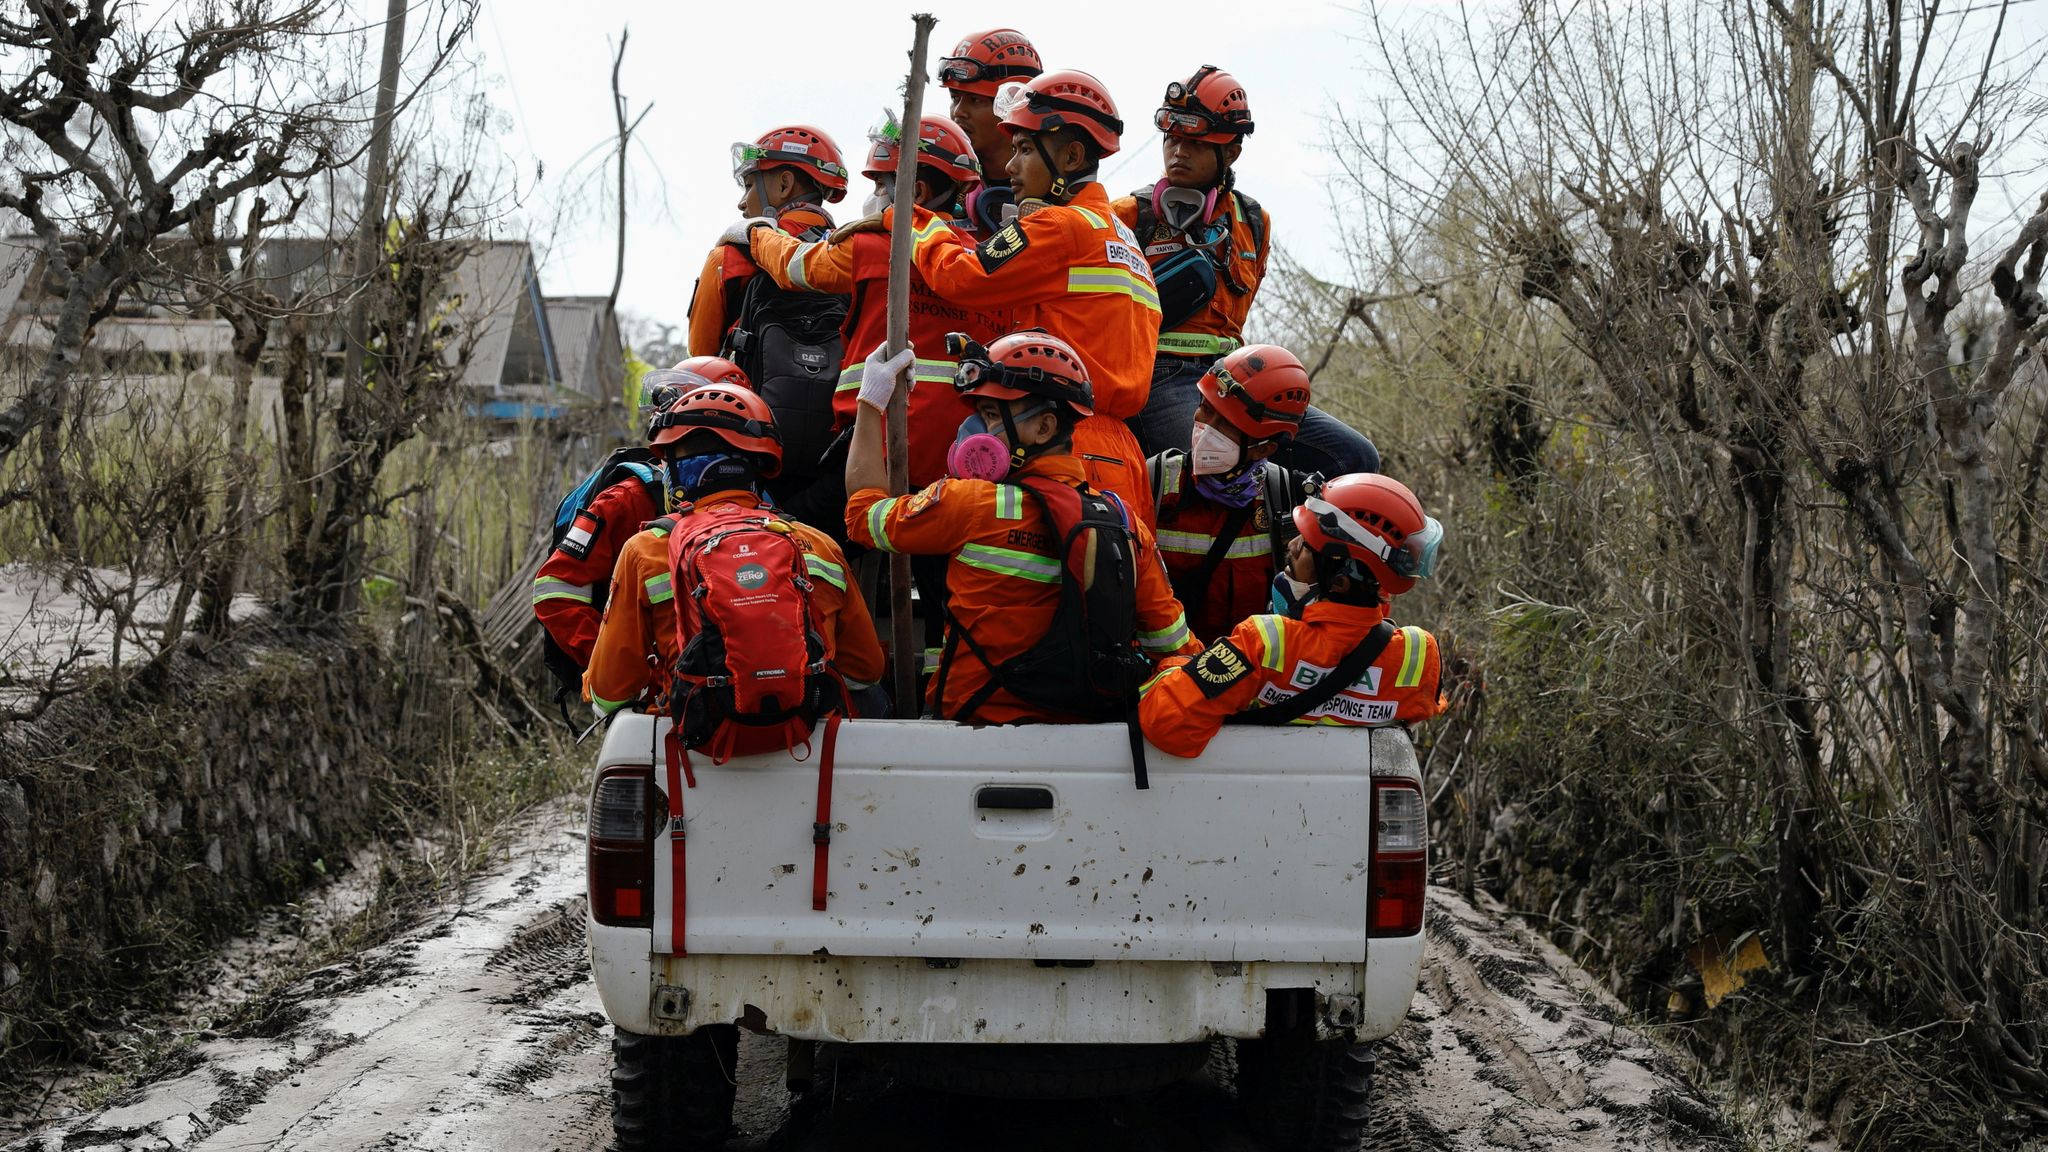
[1028,842]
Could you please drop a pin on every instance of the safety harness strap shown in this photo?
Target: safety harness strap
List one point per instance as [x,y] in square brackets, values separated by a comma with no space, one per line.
[680,776]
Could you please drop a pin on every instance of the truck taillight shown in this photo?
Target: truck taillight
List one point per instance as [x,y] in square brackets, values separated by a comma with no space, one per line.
[1399,868]
[621,847]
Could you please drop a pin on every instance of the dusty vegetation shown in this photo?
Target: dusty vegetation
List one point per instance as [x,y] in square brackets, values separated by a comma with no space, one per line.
[1715,334]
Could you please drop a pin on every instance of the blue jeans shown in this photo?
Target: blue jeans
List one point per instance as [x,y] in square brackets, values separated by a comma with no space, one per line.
[1324,444]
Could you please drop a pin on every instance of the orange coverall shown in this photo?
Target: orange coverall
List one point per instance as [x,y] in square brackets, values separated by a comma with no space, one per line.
[1267,659]
[1004,575]
[1222,319]
[1189,522]
[636,647]
[1076,271]
[715,304]
[565,589]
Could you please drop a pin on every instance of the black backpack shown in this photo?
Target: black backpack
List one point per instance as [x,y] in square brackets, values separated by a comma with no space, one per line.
[1088,663]
[788,344]
[1187,278]
[632,462]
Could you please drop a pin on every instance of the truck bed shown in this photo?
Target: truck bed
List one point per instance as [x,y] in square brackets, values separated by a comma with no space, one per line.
[1254,852]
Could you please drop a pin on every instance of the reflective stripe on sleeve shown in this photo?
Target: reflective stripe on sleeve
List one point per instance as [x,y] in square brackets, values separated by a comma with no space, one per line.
[1010,562]
[1273,639]
[932,228]
[1009,503]
[659,590]
[1167,639]
[1413,659]
[826,570]
[605,706]
[797,279]
[1092,218]
[556,588]
[878,519]
[1121,281]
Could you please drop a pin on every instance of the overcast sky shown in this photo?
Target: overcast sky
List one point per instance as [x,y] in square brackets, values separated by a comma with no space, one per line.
[717,73]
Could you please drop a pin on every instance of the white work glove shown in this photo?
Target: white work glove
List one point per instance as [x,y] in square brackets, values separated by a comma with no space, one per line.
[879,376]
[738,231]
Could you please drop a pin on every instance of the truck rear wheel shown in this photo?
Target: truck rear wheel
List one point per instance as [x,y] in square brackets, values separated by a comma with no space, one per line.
[1303,1093]
[674,1092]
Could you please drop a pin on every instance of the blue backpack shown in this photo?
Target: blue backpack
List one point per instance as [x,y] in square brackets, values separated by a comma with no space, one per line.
[632,462]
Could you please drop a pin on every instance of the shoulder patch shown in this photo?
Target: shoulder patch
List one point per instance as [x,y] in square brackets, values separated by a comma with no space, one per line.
[1218,667]
[1001,247]
[582,532]
[924,501]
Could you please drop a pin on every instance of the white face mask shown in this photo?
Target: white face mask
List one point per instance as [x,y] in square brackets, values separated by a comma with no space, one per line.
[1213,452]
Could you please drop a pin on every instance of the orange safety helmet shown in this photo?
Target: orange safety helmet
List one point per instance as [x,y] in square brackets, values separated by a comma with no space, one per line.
[1032,362]
[1376,521]
[735,415]
[1260,388]
[942,146]
[982,62]
[1209,106]
[798,146]
[715,370]
[1064,99]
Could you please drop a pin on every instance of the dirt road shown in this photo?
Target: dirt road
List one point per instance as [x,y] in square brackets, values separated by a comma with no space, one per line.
[479,1031]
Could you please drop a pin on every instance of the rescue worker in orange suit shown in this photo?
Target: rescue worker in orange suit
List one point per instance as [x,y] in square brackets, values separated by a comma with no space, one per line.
[1364,539]
[1029,390]
[1208,244]
[717,443]
[785,178]
[979,66]
[947,172]
[1065,264]
[570,589]
[1224,506]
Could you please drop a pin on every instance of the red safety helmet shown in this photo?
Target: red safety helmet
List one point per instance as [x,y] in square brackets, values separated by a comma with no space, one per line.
[982,62]
[735,415]
[1376,521]
[1209,106]
[1260,388]
[942,146]
[715,370]
[1063,99]
[798,146]
[1033,362]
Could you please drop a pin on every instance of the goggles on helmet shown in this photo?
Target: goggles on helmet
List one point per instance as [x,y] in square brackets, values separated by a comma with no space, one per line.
[887,134]
[975,368]
[1013,96]
[747,160]
[729,421]
[1184,111]
[968,70]
[1413,558]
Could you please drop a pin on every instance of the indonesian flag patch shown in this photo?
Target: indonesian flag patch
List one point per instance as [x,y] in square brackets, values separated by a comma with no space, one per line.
[582,531]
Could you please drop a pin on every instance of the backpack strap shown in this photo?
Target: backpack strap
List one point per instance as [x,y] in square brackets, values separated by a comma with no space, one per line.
[1225,536]
[821,828]
[1167,471]
[1254,218]
[1284,489]
[1343,676]
[679,774]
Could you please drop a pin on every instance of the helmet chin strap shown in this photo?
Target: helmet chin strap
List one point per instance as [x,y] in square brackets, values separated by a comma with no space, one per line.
[1019,451]
[1061,191]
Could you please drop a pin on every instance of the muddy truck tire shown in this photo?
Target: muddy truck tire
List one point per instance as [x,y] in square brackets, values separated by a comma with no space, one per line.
[674,1092]
[1301,1093]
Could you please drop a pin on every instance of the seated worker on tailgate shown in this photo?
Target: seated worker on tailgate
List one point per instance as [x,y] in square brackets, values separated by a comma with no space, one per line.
[1016,488]
[717,443]
[1224,506]
[1327,654]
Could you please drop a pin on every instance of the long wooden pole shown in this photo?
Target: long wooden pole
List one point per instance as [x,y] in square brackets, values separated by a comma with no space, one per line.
[903,638]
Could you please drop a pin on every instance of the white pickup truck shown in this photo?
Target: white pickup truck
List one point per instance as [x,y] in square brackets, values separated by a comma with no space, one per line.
[1005,914]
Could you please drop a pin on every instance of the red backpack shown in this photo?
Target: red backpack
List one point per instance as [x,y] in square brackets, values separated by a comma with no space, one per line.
[753,676]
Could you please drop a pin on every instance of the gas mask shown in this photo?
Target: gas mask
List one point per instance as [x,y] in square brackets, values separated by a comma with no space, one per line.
[977,453]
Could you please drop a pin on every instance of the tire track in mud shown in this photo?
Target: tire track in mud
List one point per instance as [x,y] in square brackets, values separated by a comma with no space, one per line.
[479,1031]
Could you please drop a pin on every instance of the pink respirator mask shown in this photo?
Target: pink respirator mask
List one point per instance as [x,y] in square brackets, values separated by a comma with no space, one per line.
[977,453]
